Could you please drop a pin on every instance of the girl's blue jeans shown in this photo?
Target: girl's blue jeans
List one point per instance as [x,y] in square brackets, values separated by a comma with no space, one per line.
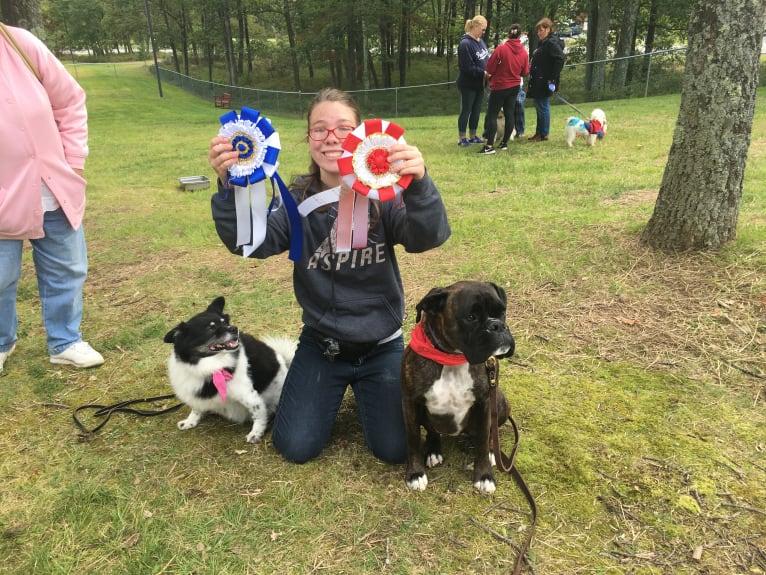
[314,389]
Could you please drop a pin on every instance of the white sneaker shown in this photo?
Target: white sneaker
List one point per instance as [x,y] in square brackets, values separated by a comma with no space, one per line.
[5,355]
[80,354]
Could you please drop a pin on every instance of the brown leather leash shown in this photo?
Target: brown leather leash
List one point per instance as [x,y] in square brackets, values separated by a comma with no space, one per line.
[505,463]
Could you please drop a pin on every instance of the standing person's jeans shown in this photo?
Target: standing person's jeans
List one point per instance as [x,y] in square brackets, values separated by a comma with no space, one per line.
[470,109]
[313,392]
[505,99]
[61,264]
[518,113]
[543,109]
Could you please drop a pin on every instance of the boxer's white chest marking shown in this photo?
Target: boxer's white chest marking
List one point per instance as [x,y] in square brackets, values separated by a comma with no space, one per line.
[452,394]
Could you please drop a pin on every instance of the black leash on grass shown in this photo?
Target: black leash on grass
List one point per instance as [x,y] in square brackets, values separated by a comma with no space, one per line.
[106,412]
[505,463]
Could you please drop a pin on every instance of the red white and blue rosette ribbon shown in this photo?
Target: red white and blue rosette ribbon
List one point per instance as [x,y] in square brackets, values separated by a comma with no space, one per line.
[257,143]
[365,169]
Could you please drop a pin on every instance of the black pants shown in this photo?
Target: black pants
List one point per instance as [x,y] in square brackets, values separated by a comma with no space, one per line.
[505,99]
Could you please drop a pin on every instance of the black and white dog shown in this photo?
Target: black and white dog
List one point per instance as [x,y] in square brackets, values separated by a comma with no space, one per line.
[216,368]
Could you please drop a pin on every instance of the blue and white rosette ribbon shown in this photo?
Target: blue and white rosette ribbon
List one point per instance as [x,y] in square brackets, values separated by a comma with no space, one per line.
[257,143]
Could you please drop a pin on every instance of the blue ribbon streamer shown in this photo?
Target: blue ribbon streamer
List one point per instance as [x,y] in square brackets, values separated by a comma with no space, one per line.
[258,174]
[296,223]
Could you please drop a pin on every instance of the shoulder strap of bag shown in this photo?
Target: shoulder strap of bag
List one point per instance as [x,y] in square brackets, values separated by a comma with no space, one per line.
[12,41]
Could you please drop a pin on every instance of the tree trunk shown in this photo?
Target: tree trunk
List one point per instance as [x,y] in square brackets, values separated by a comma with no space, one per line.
[590,42]
[698,203]
[184,25]
[491,35]
[353,48]
[371,68]
[439,27]
[164,10]
[23,14]
[365,55]
[598,42]
[228,43]
[248,46]
[293,48]
[651,31]
[386,51]
[404,46]
[470,10]
[207,48]
[241,17]
[450,13]
[625,44]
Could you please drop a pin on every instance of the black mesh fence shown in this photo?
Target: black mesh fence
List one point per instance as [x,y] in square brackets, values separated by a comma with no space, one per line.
[637,76]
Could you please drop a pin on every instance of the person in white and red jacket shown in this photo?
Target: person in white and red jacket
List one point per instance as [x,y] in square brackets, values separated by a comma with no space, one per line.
[43,146]
[505,68]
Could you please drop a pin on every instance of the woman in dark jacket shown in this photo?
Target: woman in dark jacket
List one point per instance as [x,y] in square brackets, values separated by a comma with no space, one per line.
[546,65]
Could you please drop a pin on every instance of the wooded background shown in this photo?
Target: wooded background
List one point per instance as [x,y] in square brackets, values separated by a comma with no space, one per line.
[373,44]
[362,44]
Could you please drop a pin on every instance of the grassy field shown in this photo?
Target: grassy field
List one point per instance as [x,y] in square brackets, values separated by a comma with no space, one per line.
[638,381]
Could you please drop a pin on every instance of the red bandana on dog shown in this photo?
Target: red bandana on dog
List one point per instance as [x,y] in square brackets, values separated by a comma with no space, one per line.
[220,378]
[423,346]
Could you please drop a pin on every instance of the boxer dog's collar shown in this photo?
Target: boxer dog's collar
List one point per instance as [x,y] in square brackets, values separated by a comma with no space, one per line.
[423,345]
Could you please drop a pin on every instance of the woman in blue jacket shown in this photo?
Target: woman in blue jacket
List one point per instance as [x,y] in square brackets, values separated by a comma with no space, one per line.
[472,56]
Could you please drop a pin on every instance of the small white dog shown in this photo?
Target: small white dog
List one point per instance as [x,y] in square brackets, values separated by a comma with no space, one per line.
[593,129]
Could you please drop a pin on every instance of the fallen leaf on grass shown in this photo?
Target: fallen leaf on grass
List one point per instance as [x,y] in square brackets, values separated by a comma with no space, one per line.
[130,541]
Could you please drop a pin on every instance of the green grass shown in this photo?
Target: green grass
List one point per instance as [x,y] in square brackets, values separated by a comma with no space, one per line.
[637,384]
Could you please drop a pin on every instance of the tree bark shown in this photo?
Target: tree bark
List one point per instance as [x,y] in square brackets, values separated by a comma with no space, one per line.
[23,14]
[241,17]
[404,45]
[597,44]
[625,44]
[293,47]
[171,33]
[698,203]
[228,43]
[386,51]
[651,31]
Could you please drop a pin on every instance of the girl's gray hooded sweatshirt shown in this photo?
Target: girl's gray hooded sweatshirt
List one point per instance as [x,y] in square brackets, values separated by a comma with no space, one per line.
[356,296]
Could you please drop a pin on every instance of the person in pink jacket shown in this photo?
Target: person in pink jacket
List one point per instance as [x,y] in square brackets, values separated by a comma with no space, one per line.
[505,68]
[43,146]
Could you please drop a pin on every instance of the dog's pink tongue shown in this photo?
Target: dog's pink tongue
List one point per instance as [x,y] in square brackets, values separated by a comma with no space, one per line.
[220,378]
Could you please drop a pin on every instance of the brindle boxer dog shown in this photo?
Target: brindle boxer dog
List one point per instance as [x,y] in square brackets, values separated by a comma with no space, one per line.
[445,386]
